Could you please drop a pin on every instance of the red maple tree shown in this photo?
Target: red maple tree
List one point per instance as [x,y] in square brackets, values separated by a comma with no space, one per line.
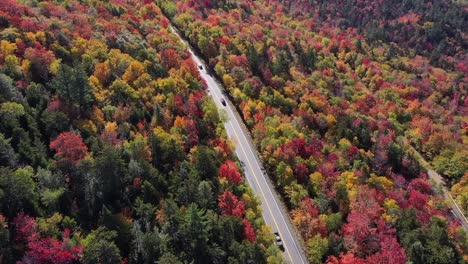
[229,171]
[44,250]
[229,204]
[69,147]
[249,232]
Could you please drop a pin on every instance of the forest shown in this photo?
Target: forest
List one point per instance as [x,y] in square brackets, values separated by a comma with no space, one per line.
[112,151]
[350,103]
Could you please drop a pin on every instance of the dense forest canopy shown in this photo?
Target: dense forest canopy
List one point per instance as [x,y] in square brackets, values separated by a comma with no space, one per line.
[111,151]
[350,102]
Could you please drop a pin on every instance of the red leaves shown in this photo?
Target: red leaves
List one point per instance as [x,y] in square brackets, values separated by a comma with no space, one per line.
[70,147]
[309,206]
[390,252]
[417,199]
[302,172]
[348,258]
[249,232]
[359,236]
[50,250]
[43,250]
[229,171]
[229,204]
[170,58]
[25,228]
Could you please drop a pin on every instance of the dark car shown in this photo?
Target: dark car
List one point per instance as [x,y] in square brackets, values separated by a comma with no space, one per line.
[223,102]
[200,67]
[278,241]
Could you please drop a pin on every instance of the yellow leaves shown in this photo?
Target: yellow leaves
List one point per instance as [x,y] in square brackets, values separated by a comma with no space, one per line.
[12,109]
[460,192]
[325,41]
[391,211]
[428,25]
[380,182]
[30,36]
[316,179]
[25,65]
[49,226]
[111,127]
[96,49]
[344,144]
[12,65]
[143,80]
[317,103]
[260,106]
[99,92]
[228,81]
[237,93]
[159,98]
[7,48]
[88,126]
[349,179]
[79,47]
[54,66]
[134,70]
[331,121]
[172,85]
[161,133]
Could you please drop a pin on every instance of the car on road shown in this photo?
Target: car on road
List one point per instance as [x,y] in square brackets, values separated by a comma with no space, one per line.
[278,241]
[223,102]
[200,67]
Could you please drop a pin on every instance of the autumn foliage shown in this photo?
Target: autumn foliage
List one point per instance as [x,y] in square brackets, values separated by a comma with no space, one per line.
[108,139]
[229,171]
[229,204]
[69,147]
[348,103]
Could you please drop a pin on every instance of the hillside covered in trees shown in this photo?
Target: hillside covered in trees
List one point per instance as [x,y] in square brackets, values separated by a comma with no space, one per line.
[110,149]
[349,103]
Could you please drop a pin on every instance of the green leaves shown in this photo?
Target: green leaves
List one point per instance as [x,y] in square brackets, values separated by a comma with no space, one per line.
[72,86]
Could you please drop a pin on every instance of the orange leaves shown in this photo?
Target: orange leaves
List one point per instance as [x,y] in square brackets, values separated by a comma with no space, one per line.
[135,70]
[102,72]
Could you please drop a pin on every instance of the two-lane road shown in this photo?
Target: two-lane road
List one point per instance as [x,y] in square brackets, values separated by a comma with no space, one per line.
[456,210]
[273,214]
